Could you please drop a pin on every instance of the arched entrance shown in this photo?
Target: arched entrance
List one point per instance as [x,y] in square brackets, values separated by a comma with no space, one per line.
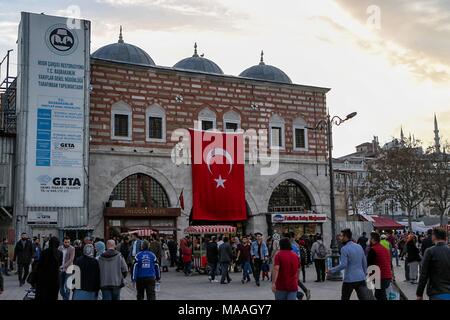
[290,210]
[139,202]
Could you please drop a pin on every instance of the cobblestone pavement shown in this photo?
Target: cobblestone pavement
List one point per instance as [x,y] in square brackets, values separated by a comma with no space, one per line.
[176,286]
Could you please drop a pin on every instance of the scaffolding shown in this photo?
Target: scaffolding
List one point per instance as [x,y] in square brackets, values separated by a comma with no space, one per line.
[8,116]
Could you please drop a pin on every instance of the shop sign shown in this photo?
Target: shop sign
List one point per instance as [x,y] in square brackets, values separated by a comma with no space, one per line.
[299,218]
[42,217]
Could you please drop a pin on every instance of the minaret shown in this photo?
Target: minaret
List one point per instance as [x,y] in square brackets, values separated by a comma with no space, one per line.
[402,136]
[120,36]
[437,140]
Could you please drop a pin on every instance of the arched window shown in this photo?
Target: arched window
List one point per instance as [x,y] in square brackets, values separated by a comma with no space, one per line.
[140,190]
[121,115]
[300,131]
[207,119]
[276,129]
[156,124]
[289,194]
[231,121]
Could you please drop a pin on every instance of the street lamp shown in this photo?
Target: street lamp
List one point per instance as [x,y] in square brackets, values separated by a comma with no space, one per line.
[326,124]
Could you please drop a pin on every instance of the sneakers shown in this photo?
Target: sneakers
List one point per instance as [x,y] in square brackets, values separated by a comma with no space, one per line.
[243,281]
[308,294]
[257,283]
[215,281]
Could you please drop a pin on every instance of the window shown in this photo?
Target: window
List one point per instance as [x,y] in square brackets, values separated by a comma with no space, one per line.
[121,121]
[289,194]
[232,121]
[300,135]
[140,190]
[156,124]
[276,125]
[207,125]
[207,119]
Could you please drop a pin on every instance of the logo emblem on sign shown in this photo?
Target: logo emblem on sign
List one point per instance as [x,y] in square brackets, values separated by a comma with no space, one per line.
[44,179]
[61,40]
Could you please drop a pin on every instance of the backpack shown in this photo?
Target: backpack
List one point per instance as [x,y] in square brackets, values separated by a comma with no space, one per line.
[321,251]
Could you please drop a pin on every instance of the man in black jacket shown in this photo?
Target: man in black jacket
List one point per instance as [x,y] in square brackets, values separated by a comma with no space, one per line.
[212,256]
[435,268]
[23,253]
[225,258]
[427,242]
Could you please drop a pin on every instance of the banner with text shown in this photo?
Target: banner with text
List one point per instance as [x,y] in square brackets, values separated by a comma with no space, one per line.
[56,56]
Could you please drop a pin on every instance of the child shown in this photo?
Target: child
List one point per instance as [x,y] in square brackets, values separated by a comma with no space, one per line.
[265,270]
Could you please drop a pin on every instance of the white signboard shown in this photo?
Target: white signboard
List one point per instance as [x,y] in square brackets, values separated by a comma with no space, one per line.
[299,218]
[42,217]
[57,60]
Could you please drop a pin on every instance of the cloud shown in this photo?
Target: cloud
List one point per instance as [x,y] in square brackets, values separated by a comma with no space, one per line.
[420,27]
[423,65]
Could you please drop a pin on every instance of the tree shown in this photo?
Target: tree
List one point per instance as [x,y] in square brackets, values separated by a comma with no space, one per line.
[438,180]
[399,174]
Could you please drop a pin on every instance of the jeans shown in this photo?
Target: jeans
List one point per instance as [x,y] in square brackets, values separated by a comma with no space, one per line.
[84,295]
[111,294]
[187,267]
[5,268]
[1,282]
[320,269]
[303,267]
[380,294]
[406,271]
[224,266]
[257,263]
[147,286]
[63,290]
[285,295]
[361,290]
[23,269]
[395,255]
[212,266]
[246,270]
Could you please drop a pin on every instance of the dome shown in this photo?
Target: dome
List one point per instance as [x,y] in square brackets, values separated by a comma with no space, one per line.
[267,72]
[123,52]
[198,63]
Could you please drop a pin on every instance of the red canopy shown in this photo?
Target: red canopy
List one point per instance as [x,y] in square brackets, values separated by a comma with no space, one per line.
[385,223]
[143,232]
[210,229]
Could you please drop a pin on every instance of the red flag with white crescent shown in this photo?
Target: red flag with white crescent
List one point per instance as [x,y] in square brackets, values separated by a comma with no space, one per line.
[218,184]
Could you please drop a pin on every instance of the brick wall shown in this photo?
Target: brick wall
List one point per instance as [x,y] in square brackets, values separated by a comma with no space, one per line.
[141,87]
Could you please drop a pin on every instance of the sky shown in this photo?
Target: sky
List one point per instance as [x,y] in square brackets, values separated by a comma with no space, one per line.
[388,60]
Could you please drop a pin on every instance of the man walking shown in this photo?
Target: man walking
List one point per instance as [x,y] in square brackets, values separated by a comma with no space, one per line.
[434,271]
[427,242]
[245,257]
[319,254]
[68,255]
[260,254]
[212,257]
[354,262]
[225,258]
[379,256]
[285,272]
[136,244]
[113,269]
[146,272]
[362,241]
[23,254]
[172,251]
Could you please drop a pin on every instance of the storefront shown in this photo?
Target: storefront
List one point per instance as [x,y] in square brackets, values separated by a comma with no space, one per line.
[139,202]
[301,223]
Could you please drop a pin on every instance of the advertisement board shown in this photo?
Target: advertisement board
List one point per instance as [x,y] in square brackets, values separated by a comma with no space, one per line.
[299,218]
[56,60]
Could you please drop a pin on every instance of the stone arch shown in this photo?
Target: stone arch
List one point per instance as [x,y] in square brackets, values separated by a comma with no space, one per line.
[155,174]
[304,182]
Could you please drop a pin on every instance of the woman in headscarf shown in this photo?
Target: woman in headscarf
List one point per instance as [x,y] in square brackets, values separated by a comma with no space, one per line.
[89,275]
[100,248]
[412,258]
[47,272]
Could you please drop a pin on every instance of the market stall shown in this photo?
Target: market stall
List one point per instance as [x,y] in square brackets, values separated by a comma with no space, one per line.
[198,233]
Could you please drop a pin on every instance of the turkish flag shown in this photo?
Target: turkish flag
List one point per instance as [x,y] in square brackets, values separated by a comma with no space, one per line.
[218,184]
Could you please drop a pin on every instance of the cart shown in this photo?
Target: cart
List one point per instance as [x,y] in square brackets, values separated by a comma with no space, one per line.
[141,232]
[199,252]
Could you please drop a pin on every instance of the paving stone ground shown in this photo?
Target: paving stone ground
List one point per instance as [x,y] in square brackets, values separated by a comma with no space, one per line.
[176,286]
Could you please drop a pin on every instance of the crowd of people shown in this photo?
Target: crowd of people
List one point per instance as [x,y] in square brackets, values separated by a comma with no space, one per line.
[280,259]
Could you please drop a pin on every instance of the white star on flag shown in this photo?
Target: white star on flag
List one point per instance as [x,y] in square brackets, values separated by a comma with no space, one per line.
[220,182]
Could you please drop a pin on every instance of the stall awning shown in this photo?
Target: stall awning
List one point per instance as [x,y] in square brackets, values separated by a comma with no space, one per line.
[385,223]
[143,232]
[210,229]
